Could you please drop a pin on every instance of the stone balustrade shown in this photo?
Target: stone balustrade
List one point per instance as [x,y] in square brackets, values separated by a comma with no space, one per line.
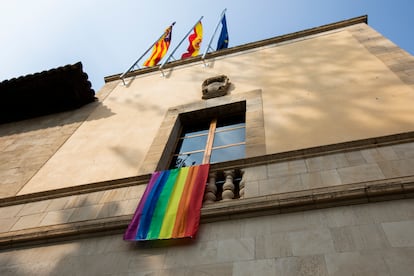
[224,185]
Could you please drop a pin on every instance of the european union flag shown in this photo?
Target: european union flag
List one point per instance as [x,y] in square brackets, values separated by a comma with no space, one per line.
[223,41]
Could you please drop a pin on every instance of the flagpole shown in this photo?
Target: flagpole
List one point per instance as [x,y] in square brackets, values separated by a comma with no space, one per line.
[136,62]
[215,31]
[162,65]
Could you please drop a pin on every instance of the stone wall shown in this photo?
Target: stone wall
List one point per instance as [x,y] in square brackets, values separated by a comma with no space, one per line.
[396,59]
[368,239]
[326,180]
[358,87]
[336,169]
[25,146]
[69,209]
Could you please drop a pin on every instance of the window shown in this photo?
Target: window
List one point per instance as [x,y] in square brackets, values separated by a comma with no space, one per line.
[192,116]
[211,141]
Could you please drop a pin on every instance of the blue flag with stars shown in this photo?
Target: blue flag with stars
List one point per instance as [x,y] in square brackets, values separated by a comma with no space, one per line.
[223,41]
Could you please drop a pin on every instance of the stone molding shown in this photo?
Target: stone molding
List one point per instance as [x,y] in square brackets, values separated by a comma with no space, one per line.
[357,193]
[76,190]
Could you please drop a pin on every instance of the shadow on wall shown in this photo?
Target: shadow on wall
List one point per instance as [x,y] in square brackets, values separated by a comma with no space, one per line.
[108,254]
[89,256]
[57,120]
[330,88]
[25,146]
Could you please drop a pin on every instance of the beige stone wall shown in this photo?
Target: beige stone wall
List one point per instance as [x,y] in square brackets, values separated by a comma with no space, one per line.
[317,90]
[330,170]
[70,209]
[369,239]
[25,146]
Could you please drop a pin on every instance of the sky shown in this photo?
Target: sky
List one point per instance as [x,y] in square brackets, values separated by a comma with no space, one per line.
[107,36]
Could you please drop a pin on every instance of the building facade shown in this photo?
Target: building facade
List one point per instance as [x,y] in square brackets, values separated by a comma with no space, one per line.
[320,182]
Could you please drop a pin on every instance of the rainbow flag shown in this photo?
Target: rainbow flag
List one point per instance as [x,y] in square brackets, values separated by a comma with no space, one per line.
[170,206]
[160,48]
[195,41]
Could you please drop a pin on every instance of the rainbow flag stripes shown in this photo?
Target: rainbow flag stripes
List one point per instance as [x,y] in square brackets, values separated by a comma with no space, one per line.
[170,206]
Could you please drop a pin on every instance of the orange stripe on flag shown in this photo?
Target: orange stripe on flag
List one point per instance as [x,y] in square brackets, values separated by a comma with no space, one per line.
[181,219]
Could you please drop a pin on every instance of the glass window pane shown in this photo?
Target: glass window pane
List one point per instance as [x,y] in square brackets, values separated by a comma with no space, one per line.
[187,160]
[230,121]
[229,137]
[219,128]
[196,133]
[195,143]
[199,128]
[226,154]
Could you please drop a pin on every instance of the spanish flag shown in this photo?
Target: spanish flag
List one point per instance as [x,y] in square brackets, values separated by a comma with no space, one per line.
[170,207]
[160,48]
[195,41]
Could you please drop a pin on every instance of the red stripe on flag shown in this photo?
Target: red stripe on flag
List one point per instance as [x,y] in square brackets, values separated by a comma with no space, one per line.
[196,201]
[194,41]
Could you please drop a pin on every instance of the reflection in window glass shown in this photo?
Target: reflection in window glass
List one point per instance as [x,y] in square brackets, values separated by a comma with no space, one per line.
[198,128]
[224,127]
[187,134]
[194,143]
[226,154]
[229,137]
[187,160]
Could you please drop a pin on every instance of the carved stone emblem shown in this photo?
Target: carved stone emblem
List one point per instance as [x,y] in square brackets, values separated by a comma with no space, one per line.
[215,87]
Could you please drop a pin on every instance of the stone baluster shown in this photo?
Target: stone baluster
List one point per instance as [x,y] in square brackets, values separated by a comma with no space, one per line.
[228,186]
[242,184]
[211,189]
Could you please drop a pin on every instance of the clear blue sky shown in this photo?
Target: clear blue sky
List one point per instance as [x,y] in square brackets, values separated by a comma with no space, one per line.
[107,36]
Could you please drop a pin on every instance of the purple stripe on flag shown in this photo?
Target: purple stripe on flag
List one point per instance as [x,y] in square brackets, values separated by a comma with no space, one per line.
[132,229]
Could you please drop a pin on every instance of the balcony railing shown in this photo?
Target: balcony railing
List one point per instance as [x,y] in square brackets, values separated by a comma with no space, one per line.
[224,185]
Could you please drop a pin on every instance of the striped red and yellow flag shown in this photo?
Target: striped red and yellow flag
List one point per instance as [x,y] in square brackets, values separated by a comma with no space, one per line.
[160,48]
[195,41]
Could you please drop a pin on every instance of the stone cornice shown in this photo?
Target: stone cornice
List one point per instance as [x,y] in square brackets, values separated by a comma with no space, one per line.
[357,193]
[248,46]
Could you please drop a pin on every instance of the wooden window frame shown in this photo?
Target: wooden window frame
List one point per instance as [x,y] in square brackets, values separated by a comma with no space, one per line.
[210,138]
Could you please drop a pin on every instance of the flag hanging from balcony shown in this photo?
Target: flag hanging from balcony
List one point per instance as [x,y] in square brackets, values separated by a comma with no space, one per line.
[170,206]
[223,41]
[194,41]
[160,48]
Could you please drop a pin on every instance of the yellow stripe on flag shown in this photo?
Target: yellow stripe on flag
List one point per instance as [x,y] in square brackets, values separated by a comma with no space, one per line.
[160,49]
[171,212]
[197,40]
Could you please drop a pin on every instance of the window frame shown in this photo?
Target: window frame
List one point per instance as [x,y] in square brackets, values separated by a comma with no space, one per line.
[158,155]
[211,132]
